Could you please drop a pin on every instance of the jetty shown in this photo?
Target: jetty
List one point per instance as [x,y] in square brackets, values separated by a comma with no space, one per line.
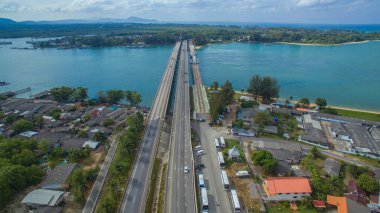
[3,83]
[9,94]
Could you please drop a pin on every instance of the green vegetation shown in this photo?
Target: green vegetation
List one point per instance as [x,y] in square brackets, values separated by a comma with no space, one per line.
[320,185]
[265,88]
[66,94]
[22,125]
[55,113]
[248,104]
[283,207]
[357,114]
[79,180]
[152,188]
[121,165]
[18,167]
[100,137]
[108,122]
[262,119]
[229,144]
[122,34]
[220,99]
[304,102]
[115,96]
[265,159]
[368,183]
[161,198]
[320,102]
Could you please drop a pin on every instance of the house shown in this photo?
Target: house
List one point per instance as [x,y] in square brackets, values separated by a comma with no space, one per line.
[355,193]
[332,167]
[91,144]
[339,131]
[54,139]
[346,205]
[242,132]
[286,188]
[234,154]
[73,143]
[56,179]
[314,133]
[247,114]
[282,103]
[43,197]
[29,134]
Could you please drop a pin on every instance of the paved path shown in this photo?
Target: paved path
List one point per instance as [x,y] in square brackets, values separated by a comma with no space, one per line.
[217,196]
[99,182]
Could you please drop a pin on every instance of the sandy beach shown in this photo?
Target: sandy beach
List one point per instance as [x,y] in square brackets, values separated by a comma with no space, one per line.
[357,110]
[305,44]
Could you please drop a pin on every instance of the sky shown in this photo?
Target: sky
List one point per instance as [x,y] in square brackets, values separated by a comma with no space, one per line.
[272,11]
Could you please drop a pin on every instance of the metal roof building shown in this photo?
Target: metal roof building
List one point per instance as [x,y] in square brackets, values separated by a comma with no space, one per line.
[43,197]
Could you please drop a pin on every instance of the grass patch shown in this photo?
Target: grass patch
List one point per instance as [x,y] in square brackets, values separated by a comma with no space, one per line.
[161,199]
[367,160]
[361,115]
[153,182]
[284,207]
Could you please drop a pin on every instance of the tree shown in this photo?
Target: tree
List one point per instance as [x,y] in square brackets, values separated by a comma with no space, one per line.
[215,85]
[61,94]
[135,98]
[262,119]
[227,94]
[304,102]
[38,121]
[82,134]
[22,125]
[214,106]
[315,152]
[114,96]
[265,159]
[287,102]
[10,119]
[79,94]
[100,136]
[77,183]
[368,183]
[55,113]
[108,122]
[25,158]
[264,87]
[43,146]
[101,97]
[321,103]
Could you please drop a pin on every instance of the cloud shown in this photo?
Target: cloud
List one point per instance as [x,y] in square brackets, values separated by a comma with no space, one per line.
[223,10]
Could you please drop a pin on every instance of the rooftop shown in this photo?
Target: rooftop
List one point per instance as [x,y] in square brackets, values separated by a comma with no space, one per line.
[58,176]
[43,197]
[332,167]
[276,185]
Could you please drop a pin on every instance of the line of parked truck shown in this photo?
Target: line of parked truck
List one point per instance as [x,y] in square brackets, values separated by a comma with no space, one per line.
[198,151]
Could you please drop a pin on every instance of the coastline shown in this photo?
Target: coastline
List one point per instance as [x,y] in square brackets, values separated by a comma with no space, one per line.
[355,109]
[310,44]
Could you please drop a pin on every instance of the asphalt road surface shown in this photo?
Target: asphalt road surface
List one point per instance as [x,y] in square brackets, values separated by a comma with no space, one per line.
[135,196]
[180,193]
[99,182]
[217,197]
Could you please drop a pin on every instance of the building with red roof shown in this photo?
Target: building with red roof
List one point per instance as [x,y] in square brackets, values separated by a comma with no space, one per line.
[286,188]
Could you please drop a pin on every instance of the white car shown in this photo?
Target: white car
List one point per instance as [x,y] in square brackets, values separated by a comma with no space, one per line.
[186,169]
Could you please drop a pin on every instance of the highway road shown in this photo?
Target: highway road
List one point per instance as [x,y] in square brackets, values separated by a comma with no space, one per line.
[217,196]
[138,185]
[99,182]
[180,191]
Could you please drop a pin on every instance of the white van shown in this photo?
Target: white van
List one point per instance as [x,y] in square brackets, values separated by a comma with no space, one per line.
[199,152]
[197,148]
[217,145]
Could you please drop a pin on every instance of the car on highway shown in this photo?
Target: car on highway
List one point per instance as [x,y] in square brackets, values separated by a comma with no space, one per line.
[186,169]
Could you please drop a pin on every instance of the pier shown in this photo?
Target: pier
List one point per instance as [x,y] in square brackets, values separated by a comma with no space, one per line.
[201,105]
[9,94]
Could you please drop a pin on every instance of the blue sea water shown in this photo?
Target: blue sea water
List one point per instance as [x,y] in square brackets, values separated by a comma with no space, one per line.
[346,75]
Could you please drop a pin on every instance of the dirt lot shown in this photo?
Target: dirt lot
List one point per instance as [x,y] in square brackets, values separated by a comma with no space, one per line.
[242,186]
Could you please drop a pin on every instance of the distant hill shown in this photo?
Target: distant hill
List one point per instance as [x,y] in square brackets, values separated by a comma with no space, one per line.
[7,21]
[131,19]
